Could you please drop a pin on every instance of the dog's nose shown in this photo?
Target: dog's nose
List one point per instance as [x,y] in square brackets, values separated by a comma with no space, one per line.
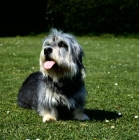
[48,50]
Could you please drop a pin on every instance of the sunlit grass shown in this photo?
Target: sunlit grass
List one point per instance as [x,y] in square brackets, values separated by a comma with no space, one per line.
[112,66]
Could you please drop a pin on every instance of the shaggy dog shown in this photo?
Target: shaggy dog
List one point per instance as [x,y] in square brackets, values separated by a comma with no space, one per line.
[57,91]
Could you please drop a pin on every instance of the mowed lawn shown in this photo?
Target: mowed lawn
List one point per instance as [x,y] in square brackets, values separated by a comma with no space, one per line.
[112,82]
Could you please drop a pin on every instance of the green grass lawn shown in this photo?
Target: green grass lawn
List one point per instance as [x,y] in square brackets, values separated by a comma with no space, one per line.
[112,82]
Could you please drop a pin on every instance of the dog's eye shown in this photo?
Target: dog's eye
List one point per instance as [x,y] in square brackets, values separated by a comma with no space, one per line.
[62,44]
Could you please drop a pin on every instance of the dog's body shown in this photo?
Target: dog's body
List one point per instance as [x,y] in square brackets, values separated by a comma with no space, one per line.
[58,90]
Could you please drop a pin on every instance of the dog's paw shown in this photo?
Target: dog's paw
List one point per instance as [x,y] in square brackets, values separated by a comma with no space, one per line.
[48,118]
[81,117]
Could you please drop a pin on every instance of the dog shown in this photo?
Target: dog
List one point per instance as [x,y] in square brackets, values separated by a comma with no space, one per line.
[57,91]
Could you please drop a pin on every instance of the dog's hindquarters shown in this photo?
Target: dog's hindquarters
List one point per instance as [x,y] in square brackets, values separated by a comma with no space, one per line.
[28,93]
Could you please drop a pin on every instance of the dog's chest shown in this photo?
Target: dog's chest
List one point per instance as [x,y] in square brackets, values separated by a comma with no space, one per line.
[63,87]
[52,98]
[61,93]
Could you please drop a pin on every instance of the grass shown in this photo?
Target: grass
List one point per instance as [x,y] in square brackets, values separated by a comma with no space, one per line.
[112,81]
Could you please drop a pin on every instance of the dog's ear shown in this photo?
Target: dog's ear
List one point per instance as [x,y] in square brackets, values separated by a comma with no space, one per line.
[78,55]
[77,52]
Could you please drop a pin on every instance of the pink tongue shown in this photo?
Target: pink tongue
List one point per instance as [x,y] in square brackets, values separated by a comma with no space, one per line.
[48,64]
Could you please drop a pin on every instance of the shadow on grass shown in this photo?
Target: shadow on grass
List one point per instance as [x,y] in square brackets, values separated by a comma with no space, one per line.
[101,115]
[98,115]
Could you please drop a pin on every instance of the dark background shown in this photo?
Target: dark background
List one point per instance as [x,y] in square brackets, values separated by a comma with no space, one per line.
[21,17]
[18,17]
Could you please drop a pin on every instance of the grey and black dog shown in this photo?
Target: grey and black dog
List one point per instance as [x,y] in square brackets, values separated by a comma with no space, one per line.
[57,90]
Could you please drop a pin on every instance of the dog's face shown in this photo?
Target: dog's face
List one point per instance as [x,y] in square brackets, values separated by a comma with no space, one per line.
[61,56]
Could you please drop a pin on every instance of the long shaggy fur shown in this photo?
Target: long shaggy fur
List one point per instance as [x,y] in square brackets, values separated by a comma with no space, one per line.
[58,92]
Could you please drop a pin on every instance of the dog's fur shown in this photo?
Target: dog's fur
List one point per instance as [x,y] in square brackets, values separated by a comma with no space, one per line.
[58,92]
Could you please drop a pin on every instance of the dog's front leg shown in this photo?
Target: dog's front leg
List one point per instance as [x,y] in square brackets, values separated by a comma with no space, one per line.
[79,115]
[49,115]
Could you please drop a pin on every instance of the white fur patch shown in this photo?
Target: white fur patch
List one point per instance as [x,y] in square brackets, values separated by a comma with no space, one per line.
[51,99]
[48,117]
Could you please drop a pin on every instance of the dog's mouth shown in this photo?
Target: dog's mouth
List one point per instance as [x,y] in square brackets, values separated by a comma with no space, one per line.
[49,64]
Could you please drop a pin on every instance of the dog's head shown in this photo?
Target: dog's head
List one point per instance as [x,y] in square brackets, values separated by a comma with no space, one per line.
[61,56]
